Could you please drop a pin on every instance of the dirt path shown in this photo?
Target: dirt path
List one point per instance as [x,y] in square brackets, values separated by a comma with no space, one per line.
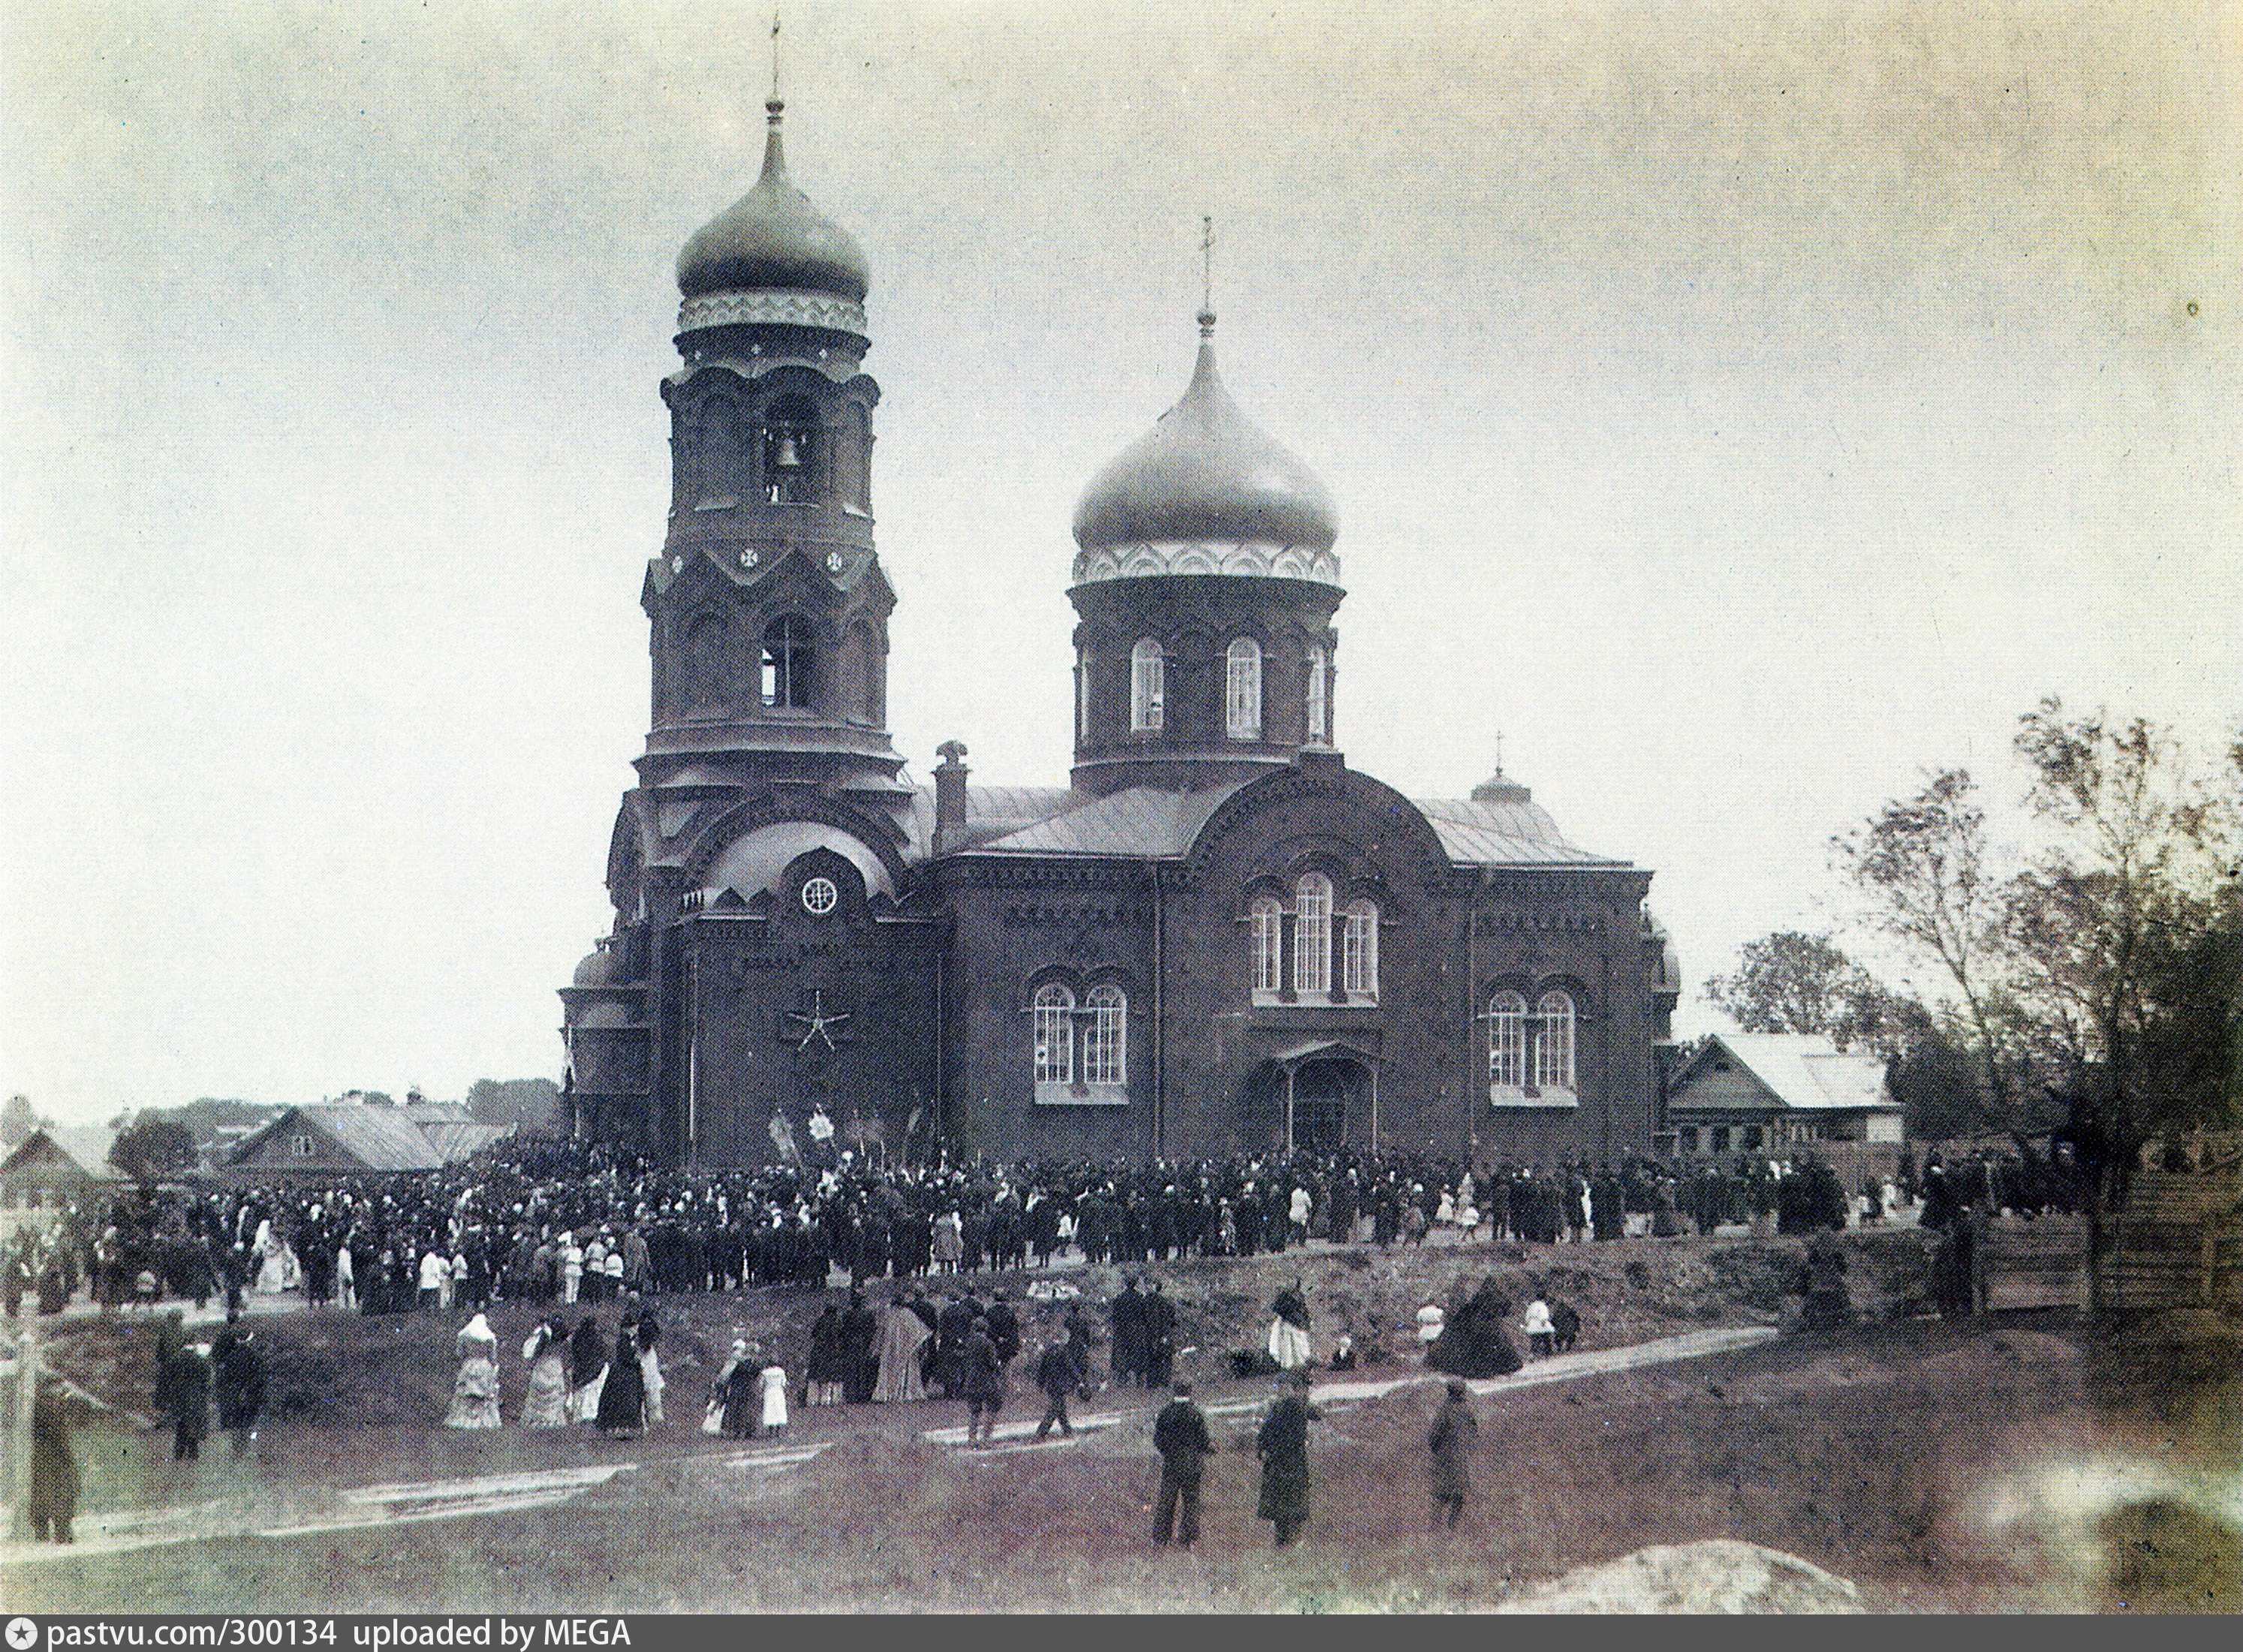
[281,1508]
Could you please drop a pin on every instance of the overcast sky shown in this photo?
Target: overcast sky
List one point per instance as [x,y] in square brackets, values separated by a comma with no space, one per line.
[1740,408]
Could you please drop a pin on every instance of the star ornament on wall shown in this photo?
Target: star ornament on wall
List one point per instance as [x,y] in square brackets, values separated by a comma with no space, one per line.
[817,1025]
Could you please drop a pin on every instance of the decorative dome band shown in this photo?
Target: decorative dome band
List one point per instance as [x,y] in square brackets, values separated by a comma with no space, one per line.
[772,307]
[1251,559]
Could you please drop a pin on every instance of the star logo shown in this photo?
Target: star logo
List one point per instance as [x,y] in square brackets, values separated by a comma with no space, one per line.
[23,1634]
[817,1023]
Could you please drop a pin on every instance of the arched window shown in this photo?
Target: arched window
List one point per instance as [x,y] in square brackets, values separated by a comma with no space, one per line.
[1507,1041]
[1055,1035]
[1104,1039]
[1312,905]
[1358,952]
[1148,711]
[790,452]
[1242,699]
[786,661]
[1319,725]
[1267,920]
[1553,1042]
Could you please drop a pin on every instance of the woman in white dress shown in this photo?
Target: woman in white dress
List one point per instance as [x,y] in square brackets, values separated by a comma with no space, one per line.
[547,1354]
[475,1392]
[774,1387]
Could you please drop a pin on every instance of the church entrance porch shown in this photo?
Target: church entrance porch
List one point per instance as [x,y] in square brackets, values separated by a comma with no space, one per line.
[1329,1096]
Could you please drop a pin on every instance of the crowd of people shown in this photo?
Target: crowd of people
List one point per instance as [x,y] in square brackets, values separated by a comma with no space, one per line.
[567,1222]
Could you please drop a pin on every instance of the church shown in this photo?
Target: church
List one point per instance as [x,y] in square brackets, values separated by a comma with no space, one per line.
[1215,938]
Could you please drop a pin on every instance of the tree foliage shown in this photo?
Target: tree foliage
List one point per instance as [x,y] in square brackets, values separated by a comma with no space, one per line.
[1791,982]
[152,1146]
[18,1119]
[532,1104]
[1921,862]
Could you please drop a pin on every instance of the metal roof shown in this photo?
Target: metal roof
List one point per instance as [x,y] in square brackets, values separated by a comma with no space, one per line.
[84,1145]
[1502,834]
[1140,822]
[1804,1072]
[455,1140]
[380,1138]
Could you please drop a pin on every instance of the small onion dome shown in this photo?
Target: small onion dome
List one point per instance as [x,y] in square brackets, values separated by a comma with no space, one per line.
[773,238]
[1206,473]
[603,967]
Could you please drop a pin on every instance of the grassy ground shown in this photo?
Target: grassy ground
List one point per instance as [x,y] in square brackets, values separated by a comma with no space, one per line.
[1885,1455]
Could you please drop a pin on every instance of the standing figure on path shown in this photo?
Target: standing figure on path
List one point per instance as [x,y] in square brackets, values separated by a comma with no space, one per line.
[54,1489]
[1456,1431]
[587,1369]
[547,1353]
[1158,1316]
[1289,1328]
[1058,1376]
[649,1365]
[826,1361]
[902,1331]
[1283,1444]
[1541,1331]
[1180,1435]
[773,1382]
[738,1392]
[186,1394]
[240,1383]
[985,1383]
[475,1391]
[621,1410]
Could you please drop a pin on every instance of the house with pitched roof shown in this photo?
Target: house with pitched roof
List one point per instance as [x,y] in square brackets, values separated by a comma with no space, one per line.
[1746,1091]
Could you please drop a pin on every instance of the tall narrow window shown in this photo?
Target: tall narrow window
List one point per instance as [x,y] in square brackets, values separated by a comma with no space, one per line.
[1055,1035]
[1358,952]
[1242,700]
[1553,1042]
[1319,726]
[1507,1041]
[1312,905]
[786,661]
[1148,711]
[1081,701]
[1267,919]
[1104,1038]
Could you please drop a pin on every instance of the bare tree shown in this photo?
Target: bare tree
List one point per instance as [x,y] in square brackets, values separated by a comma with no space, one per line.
[1921,862]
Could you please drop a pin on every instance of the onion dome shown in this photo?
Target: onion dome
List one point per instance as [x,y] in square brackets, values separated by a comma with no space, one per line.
[772,237]
[603,967]
[1205,473]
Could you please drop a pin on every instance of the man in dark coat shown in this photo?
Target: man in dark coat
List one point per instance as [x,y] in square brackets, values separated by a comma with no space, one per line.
[240,1384]
[1058,1376]
[1129,1334]
[1004,1327]
[1456,1431]
[860,1339]
[1157,1315]
[1180,1435]
[1283,1444]
[985,1383]
[54,1488]
[186,1395]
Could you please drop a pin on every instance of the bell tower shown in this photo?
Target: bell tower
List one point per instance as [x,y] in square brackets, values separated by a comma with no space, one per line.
[768,606]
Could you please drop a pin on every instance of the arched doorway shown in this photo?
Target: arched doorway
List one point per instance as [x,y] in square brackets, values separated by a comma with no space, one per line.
[1330,1095]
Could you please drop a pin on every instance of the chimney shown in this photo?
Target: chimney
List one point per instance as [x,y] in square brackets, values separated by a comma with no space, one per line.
[950,795]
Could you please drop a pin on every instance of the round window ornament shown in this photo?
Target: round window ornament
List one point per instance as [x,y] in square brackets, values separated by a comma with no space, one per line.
[820,896]
[833,561]
[749,558]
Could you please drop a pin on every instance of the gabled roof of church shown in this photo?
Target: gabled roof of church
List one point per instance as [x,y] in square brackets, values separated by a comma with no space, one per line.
[1474,833]
[1148,823]
[1141,822]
